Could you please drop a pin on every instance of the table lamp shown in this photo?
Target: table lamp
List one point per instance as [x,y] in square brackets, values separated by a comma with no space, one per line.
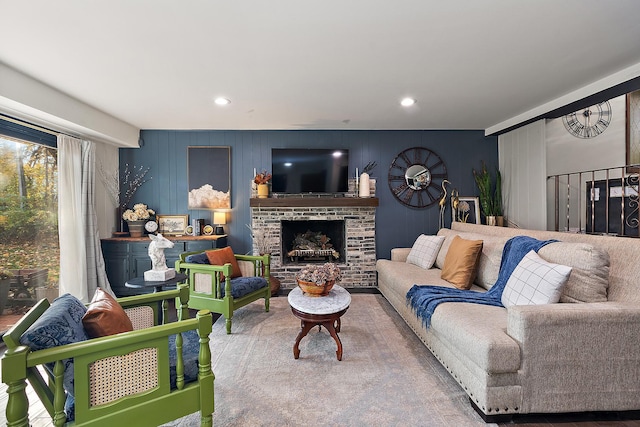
[219,219]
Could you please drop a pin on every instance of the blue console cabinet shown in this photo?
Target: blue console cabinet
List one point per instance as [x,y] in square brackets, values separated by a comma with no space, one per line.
[128,257]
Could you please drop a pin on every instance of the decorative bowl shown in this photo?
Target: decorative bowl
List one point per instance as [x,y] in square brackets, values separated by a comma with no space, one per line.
[314,290]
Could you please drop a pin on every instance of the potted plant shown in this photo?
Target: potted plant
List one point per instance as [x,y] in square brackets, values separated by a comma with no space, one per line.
[262,180]
[5,283]
[136,218]
[490,195]
[318,279]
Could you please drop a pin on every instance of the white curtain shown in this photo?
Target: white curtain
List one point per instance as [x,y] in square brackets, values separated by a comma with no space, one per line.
[81,262]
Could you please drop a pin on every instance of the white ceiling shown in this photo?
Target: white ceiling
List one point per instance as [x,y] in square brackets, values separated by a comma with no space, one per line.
[300,64]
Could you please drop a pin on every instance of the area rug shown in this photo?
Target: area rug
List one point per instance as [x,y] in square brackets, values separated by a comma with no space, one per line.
[387,377]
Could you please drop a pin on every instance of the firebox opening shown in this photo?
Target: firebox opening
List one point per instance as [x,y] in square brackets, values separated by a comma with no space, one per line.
[313,241]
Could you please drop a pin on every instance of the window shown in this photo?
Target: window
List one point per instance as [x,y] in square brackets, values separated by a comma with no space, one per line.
[29,247]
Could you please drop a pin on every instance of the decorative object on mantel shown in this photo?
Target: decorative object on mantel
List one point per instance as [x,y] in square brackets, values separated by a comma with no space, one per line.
[136,218]
[159,271]
[131,180]
[490,195]
[317,280]
[262,179]
[363,185]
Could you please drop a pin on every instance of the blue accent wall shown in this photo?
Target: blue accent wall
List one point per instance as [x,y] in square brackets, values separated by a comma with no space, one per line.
[165,152]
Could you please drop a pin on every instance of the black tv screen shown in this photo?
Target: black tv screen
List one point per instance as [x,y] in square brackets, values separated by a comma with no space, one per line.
[309,170]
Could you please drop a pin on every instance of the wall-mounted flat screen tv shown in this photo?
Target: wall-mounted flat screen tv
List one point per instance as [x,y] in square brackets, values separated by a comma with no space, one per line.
[309,170]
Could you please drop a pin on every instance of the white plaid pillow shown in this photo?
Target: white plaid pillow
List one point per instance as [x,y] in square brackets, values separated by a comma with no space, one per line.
[535,281]
[425,250]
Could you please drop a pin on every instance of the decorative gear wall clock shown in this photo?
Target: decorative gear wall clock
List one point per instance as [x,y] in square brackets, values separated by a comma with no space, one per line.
[588,122]
[415,177]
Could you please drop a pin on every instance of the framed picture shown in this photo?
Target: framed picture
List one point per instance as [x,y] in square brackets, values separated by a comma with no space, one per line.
[468,210]
[172,225]
[209,176]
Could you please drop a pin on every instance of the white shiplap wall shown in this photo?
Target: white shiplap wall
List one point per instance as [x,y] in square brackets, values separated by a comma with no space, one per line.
[522,160]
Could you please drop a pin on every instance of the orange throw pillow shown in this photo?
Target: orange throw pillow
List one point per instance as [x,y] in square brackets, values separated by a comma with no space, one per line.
[105,316]
[461,262]
[222,257]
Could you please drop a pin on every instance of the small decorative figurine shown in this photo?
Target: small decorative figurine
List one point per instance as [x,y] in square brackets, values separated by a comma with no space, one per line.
[159,270]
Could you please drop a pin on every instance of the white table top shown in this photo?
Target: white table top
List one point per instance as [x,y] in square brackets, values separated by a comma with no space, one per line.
[337,300]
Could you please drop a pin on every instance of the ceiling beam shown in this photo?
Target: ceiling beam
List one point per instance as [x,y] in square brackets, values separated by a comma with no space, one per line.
[609,87]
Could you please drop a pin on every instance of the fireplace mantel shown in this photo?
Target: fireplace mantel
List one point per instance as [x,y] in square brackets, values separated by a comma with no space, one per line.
[311,202]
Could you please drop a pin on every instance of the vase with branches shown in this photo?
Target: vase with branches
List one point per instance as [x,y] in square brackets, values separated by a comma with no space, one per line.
[122,188]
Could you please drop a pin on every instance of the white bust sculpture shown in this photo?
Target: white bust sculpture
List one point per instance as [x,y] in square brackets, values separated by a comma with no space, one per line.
[159,270]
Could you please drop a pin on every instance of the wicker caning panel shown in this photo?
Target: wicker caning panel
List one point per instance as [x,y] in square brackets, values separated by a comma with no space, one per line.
[247,268]
[115,377]
[141,317]
[203,283]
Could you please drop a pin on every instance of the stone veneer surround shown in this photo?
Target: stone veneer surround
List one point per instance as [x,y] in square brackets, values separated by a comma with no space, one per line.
[359,268]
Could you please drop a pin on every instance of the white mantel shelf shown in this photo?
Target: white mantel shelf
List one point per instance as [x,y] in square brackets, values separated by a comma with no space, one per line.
[310,202]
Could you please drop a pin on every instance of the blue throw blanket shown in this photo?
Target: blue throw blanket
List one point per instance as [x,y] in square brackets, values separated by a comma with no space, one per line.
[425,299]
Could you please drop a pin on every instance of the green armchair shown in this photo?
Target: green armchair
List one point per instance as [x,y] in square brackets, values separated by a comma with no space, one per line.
[132,378]
[208,291]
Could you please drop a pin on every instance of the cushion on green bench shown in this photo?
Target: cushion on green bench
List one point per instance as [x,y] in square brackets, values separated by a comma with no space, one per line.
[60,324]
[242,286]
[200,258]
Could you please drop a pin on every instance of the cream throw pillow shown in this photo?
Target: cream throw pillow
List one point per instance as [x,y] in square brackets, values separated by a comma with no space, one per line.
[425,250]
[461,262]
[535,281]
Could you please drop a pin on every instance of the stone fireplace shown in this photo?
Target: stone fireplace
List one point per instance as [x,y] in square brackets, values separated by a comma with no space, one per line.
[348,222]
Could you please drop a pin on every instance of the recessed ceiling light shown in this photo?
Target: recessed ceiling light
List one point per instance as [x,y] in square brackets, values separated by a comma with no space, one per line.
[222,101]
[407,102]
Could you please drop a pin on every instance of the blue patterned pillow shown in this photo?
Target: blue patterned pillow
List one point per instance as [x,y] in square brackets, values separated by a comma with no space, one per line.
[60,324]
[190,348]
[241,286]
[197,258]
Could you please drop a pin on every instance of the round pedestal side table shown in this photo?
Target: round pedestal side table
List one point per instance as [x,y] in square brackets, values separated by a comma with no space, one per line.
[321,311]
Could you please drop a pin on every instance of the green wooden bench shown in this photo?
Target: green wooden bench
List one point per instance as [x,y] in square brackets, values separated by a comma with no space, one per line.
[209,292]
[99,365]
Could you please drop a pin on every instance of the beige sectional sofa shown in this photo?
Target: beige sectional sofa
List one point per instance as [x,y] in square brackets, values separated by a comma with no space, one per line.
[582,354]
